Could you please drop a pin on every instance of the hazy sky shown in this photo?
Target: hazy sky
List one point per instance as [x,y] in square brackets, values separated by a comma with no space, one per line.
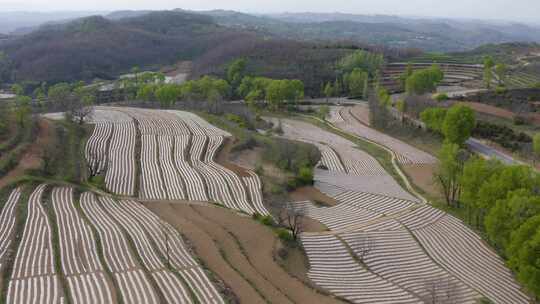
[517,10]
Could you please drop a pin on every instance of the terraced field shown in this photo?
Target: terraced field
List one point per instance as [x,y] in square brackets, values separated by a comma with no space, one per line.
[455,73]
[383,245]
[175,160]
[405,153]
[95,249]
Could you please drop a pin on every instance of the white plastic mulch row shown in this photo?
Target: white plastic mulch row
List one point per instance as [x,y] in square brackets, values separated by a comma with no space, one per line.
[377,203]
[96,147]
[330,159]
[167,283]
[384,185]
[33,278]
[254,186]
[120,177]
[134,285]
[333,268]
[354,209]
[362,172]
[152,185]
[397,257]
[195,186]
[463,254]
[78,253]
[7,223]
[165,236]
[172,179]
[336,217]
[165,171]
[406,153]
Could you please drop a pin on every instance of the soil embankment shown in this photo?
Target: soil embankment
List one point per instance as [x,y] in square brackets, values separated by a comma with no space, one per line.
[31,159]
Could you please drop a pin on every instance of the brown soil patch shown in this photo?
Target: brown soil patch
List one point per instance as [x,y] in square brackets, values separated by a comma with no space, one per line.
[312,194]
[249,267]
[209,247]
[248,158]
[223,158]
[311,225]
[422,176]
[32,157]
[295,262]
[488,109]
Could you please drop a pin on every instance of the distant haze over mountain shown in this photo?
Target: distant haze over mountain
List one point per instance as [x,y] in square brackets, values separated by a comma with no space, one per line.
[430,34]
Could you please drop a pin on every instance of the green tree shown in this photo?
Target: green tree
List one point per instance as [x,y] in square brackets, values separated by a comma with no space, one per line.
[363,60]
[59,93]
[449,172]
[328,91]
[356,82]
[424,81]
[488,70]
[434,118]
[476,172]
[22,110]
[167,94]
[500,70]
[235,72]
[401,105]
[323,111]
[406,74]
[509,213]
[146,92]
[17,89]
[524,251]
[458,124]
[338,89]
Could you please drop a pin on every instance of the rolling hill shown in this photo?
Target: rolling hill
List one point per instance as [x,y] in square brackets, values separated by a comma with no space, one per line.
[98,47]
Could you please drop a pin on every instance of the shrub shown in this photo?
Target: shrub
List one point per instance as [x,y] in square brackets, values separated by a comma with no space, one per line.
[284,235]
[441,97]
[240,121]
[98,181]
[259,170]
[500,90]
[246,143]
[520,120]
[267,220]
[305,176]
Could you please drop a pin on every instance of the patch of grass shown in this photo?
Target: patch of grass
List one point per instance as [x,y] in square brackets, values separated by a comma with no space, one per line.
[64,155]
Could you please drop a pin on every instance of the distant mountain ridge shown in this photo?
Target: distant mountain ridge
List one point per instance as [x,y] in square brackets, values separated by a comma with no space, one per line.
[430,34]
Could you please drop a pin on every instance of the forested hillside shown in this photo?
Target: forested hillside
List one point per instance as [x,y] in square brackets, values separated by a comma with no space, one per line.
[97,47]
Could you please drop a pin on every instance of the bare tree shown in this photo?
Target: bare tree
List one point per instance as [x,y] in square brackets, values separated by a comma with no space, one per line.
[440,291]
[363,246]
[81,112]
[293,219]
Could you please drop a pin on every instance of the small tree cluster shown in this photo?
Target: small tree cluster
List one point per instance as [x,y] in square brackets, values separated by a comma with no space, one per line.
[424,81]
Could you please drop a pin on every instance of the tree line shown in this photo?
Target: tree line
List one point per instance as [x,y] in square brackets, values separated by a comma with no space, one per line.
[501,201]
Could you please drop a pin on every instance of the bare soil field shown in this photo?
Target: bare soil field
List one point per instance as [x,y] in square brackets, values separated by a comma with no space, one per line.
[422,176]
[224,155]
[488,109]
[312,194]
[248,247]
[32,157]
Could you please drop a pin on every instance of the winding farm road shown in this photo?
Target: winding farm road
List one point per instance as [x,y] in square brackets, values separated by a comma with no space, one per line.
[480,148]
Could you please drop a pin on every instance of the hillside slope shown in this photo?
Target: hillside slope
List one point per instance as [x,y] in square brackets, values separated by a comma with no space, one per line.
[97,47]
